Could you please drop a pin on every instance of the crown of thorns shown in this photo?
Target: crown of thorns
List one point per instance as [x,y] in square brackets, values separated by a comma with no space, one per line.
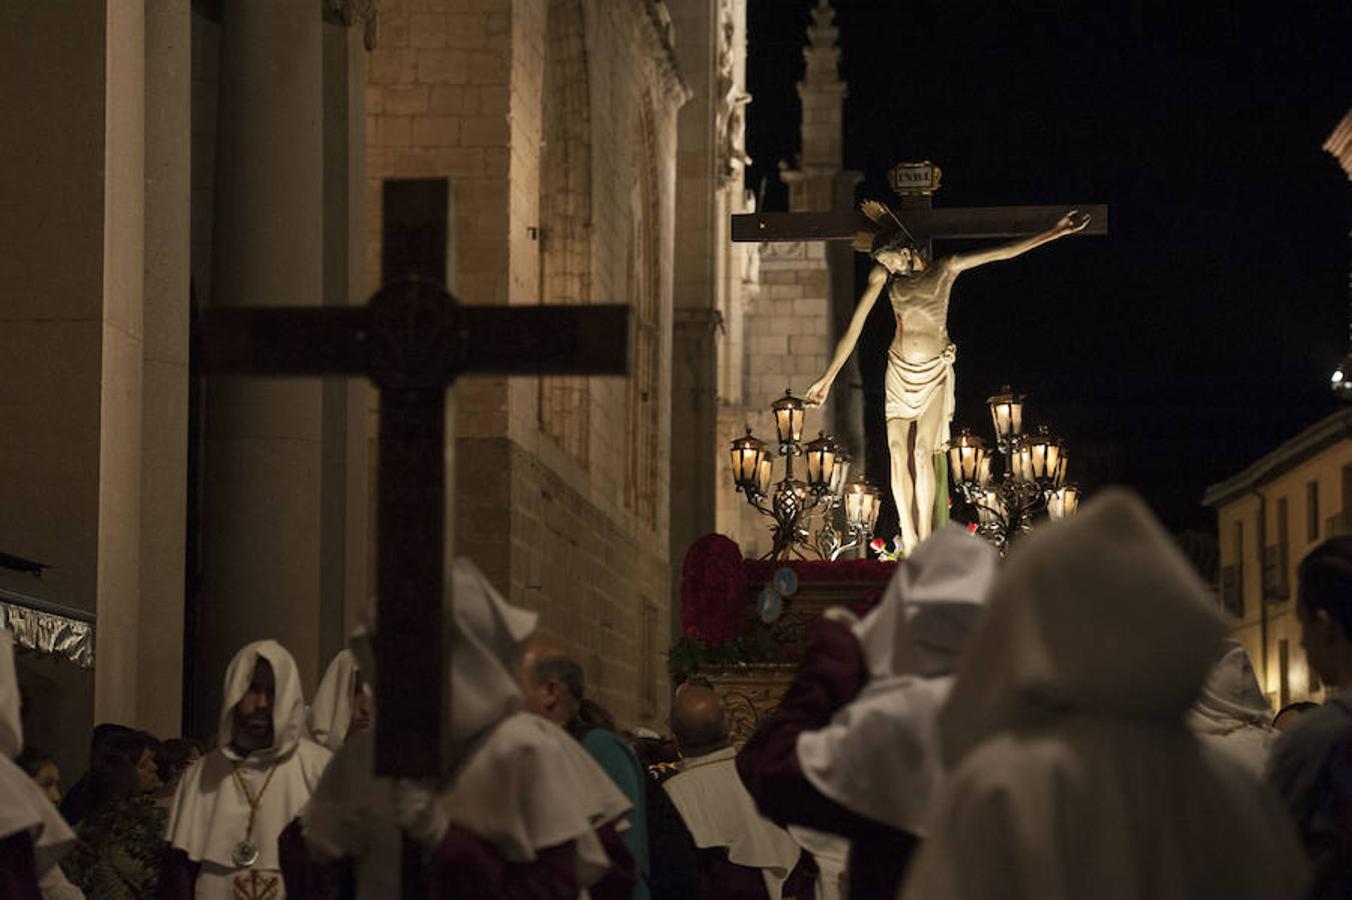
[890,233]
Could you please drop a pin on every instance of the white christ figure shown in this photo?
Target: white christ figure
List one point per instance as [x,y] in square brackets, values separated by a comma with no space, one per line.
[919,382]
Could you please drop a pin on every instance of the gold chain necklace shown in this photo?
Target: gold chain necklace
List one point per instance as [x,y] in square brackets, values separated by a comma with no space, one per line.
[246,851]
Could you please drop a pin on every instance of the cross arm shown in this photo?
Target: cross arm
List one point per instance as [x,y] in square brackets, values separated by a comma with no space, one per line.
[493,340]
[282,340]
[924,224]
[546,340]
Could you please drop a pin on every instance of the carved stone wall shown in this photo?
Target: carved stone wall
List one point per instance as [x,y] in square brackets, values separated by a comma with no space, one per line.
[565,210]
[555,121]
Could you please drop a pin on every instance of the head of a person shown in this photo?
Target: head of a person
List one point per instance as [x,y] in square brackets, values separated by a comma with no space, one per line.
[253,712]
[552,683]
[360,718]
[124,767]
[103,732]
[898,255]
[1287,715]
[174,756]
[262,706]
[1230,695]
[39,766]
[1073,627]
[1324,609]
[698,721]
[486,636]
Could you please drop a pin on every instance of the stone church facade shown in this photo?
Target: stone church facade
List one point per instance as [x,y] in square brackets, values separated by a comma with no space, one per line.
[203,154]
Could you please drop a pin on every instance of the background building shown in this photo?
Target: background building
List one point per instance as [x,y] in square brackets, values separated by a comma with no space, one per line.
[1268,517]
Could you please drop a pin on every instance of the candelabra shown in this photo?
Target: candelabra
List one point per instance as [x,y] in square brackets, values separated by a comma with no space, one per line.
[826,493]
[1030,479]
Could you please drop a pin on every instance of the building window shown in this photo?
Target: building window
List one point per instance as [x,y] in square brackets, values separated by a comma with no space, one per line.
[1312,511]
[1277,558]
[1232,575]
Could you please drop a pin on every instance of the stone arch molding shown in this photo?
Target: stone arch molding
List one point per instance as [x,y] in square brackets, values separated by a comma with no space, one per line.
[566,209]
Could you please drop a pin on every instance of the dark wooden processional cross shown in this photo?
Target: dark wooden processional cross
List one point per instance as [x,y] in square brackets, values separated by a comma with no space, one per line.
[915,184]
[413,340]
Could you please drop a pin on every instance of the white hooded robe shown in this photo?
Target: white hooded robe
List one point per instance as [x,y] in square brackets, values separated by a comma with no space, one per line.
[1076,776]
[879,756]
[330,713]
[23,805]
[515,780]
[210,813]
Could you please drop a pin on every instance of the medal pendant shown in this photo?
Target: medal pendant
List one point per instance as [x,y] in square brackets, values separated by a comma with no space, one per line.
[245,855]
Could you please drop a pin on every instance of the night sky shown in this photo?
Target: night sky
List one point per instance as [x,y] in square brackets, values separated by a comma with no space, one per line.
[1201,332]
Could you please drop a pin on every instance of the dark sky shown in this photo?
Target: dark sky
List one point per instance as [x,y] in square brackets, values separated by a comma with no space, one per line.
[1201,332]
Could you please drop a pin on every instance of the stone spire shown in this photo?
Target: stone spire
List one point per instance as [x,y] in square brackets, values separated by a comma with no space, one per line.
[823,96]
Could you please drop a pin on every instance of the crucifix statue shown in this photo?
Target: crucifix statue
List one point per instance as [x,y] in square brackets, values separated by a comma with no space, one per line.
[413,340]
[919,382]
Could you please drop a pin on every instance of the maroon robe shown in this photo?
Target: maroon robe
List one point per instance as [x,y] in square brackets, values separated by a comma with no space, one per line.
[465,866]
[832,673]
[18,868]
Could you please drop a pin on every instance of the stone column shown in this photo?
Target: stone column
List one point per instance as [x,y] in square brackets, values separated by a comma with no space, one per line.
[346,589]
[704,281]
[164,412]
[263,534]
[71,248]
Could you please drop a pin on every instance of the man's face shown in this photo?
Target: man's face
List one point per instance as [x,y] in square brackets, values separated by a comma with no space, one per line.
[1319,638]
[547,698]
[900,260]
[253,712]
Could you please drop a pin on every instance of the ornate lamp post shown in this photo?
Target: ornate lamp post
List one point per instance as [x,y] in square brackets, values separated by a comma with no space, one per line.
[1030,478]
[792,502]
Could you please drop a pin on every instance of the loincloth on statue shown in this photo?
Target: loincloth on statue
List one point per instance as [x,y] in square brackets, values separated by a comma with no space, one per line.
[912,388]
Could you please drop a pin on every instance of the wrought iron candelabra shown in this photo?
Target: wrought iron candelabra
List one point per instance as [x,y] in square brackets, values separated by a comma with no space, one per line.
[1030,477]
[825,494]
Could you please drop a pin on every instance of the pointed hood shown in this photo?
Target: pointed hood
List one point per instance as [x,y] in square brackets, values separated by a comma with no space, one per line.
[1098,614]
[288,705]
[23,805]
[1230,695]
[929,607]
[331,712]
[485,638]
[879,756]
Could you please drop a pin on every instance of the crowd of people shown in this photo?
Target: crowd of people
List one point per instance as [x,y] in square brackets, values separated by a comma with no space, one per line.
[1071,723]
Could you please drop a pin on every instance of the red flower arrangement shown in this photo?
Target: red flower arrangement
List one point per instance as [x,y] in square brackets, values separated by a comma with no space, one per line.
[713,590]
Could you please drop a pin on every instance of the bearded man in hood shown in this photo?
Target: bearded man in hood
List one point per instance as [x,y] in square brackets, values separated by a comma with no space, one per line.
[231,807]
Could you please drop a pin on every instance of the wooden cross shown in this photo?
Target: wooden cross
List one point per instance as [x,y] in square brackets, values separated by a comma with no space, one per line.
[923,222]
[413,340]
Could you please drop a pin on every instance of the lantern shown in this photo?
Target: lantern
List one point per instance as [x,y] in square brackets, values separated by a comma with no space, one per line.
[1043,455]
[983,471]
[788,412]
[747,453]
[764,475]
[1063,502]
[861,498]
[821,460]
[966,457]
[1006,414]
[840,473]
